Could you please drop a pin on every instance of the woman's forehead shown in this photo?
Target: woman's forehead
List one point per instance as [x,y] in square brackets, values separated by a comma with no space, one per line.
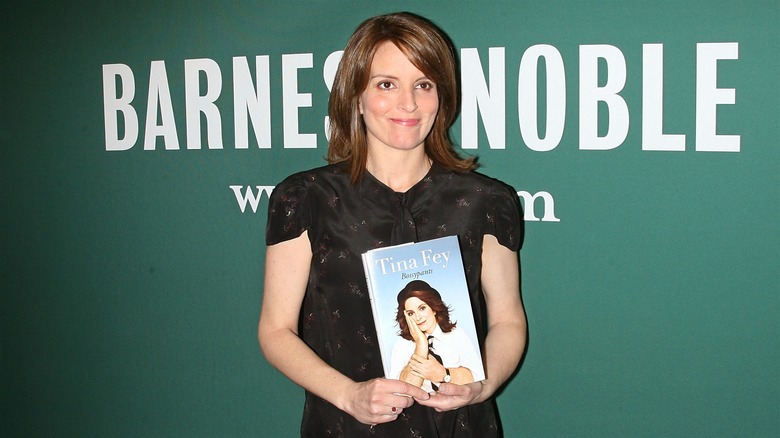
[413,303]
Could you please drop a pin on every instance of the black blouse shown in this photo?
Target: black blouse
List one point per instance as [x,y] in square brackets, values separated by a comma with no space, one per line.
[345,220]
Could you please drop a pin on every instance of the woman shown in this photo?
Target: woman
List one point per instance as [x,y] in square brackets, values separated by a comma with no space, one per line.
[394,177]
[433,350]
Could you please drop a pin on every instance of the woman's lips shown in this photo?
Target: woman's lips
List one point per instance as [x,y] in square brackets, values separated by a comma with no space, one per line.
[406,122]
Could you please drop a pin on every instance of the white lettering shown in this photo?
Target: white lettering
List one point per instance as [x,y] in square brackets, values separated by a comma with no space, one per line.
[250,197]
[591,94]
[113,105]
[195,103]
[159,96]
[604,117]
[653,138]
[255,102]
[329,75]
[396,266]
[292,100]
[527,99]
[529,204]
[478,98]
[709,96]
[428,257]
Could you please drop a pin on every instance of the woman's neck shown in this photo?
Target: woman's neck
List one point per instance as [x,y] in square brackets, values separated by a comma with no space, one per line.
[399,171]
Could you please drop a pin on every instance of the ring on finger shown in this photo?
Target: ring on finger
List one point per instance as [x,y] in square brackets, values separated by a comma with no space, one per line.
[394,410]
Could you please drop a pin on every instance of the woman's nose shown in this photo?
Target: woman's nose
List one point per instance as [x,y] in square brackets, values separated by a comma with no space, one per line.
[407,101]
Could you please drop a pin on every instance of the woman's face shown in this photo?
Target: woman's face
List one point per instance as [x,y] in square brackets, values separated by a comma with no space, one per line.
[421,314]
[400,103]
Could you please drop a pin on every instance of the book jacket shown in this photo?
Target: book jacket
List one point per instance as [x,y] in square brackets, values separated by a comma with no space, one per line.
[439,264]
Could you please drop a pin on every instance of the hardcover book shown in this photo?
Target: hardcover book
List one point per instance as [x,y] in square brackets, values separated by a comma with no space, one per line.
[422,312]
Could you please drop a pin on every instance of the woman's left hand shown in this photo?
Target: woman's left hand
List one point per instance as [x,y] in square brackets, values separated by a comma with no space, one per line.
[451,396]
[427,367]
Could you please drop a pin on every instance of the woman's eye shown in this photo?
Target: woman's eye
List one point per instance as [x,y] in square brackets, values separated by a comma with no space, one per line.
[425,86]
[385,85]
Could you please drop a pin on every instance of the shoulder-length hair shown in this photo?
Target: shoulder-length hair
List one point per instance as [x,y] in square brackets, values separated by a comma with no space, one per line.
[430,51]
[430,296]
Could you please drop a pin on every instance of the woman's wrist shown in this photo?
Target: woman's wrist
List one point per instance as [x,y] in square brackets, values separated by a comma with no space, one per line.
[342,394]
[484,391]
[341,398]
[445,374]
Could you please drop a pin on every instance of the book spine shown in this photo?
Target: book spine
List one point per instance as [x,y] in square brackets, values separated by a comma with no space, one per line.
[368,260]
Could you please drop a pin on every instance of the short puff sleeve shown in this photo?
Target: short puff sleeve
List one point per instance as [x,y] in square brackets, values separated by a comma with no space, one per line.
[507,215]
[289,213]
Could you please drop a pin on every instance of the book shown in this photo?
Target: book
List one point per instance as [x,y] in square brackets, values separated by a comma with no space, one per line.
[432,271]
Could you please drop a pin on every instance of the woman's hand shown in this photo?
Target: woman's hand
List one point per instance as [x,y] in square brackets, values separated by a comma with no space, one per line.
[381,400]
[451,396]
[427,367]
[419,338]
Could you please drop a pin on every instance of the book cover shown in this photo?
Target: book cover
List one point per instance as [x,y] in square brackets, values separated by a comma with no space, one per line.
[420,289]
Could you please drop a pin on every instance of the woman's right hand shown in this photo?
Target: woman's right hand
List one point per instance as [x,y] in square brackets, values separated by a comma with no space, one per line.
[419,338]
[372,402]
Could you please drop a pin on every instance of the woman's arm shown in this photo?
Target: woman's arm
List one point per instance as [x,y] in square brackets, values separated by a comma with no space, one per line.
[507,325]
[432,370]
[408,374]
[507,329]
[460,375]
[286,277]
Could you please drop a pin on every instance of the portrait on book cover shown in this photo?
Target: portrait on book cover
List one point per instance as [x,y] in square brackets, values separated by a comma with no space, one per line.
[423,315]
[431,347]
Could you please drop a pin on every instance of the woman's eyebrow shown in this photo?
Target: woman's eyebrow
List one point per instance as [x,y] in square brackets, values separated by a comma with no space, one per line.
[389,76]
[383,76]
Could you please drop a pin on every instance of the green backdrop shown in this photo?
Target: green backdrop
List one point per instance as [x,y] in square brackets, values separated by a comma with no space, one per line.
[131,279]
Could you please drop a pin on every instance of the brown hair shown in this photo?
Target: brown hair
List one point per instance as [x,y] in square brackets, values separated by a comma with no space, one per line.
[424,292]
[429,50]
